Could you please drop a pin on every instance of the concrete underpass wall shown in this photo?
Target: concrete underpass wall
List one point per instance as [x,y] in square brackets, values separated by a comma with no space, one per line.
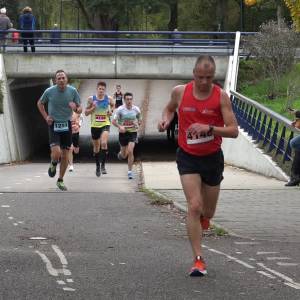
[30,128]
[243,153]
[8,145]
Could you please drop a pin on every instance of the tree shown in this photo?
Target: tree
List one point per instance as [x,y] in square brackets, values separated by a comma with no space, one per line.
[294,7]
[274,46]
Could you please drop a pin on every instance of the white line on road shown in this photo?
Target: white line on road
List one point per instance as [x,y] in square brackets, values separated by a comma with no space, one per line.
[5,206]
[286,264]
[69,289]
[266,252]
[266,274]
[49,267]
[59,253]
[290,281]
[60,282]
[233,258]
[278,258]
[246,243]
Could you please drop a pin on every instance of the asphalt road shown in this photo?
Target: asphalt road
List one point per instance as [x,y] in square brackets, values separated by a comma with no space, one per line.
[104,240]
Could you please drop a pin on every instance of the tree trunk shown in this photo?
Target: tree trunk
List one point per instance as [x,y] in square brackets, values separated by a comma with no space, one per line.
[173,23]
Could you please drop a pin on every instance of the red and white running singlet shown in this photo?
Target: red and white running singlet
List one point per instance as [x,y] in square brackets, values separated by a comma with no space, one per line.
[207,111]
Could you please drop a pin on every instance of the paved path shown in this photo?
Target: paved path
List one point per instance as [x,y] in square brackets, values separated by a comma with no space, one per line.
[250,205]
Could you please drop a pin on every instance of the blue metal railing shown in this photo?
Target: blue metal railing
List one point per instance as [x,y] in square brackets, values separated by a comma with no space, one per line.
[96,40]
[267,128]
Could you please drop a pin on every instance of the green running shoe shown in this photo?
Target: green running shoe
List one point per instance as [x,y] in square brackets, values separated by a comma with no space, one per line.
[52,170]
[60,184]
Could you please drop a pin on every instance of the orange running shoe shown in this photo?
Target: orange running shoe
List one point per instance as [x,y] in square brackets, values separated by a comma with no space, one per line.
[199,267]
[204,223]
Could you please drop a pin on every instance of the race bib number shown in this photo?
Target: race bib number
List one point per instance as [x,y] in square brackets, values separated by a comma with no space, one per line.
[100,118]
[61,126]
[198,139]
[128,123]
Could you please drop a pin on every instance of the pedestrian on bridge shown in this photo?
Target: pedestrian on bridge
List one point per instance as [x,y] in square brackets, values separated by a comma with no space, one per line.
[100,108]
[62,99]
[5,24]
[27,22]
[205,116]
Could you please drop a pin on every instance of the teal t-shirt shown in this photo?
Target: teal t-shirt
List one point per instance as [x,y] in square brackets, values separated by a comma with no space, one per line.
[58,102]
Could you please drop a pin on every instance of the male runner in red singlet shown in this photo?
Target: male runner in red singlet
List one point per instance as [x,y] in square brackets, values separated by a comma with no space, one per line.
[205,116]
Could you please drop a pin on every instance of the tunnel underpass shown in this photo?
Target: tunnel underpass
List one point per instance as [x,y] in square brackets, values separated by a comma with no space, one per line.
[32,132]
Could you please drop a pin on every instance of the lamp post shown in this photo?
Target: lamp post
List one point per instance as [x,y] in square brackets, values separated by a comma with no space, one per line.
[241,15]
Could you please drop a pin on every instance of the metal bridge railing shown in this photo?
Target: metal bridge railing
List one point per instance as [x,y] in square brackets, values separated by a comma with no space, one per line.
[267,128]
[154,41]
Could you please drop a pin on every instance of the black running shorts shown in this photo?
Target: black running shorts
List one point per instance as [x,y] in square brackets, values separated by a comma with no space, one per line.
[209,167]
[96,132]
[62,139]
[127,137]
[75,139]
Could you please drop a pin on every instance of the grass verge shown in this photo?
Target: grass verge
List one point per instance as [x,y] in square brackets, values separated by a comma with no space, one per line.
[155,197]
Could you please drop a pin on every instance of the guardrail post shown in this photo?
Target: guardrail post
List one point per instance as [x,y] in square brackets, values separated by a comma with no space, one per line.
[274,138]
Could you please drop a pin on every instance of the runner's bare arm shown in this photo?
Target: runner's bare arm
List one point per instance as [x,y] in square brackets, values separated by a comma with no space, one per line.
[90,107]
[171,107]
[42,110]
[231,126]
[112,105]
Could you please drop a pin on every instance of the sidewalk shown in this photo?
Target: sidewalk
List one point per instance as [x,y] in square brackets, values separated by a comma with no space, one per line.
[250,205]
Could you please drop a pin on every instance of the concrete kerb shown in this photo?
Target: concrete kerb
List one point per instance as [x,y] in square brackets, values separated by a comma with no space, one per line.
[180,207]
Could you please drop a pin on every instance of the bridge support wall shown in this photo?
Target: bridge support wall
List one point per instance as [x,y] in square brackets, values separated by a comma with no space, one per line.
[130,66]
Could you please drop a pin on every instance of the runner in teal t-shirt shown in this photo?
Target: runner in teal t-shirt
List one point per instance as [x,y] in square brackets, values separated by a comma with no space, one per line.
[62,99]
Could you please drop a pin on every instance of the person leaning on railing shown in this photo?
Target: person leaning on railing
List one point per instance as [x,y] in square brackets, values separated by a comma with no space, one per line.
[295,145]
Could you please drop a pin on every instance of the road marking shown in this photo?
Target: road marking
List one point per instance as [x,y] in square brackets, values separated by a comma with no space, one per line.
[5,206]
[37,176]
[295,286]
[63,260]
[70,280]
[246,243]
[284,264]
[11,218]
[60,282]
[16,224]
[69,289]
[232,258]
[278,258]
[37,238]
[266,274]
[290,282]
[50,269]
[266,252]
[238,252]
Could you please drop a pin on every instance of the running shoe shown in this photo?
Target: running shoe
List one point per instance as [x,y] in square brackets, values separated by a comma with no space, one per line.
[130,175]
[120,157]
[60,184]
[71,168]
[204,223]
[52,170]
[98,171]
[103,170]
[199,267]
